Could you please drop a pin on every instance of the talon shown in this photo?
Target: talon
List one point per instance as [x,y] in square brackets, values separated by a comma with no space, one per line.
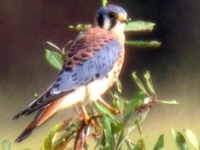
[113,110]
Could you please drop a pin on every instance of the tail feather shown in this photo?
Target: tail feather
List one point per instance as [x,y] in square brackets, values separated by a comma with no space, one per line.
[39,104]
[29,129]
[24,134]
[48,111]
[42,116]
[20,114]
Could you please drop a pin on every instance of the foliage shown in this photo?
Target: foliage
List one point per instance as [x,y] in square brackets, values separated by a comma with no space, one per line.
[109,131]
[6,145]
[138,26]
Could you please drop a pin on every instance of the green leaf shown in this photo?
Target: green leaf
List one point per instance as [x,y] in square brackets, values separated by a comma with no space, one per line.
[160,143]
[120,140]
[106,147]
[48,141]
[104,2]
[170,102]
[119,85]
[128,116]
[104,110]
[117,127]
[107,125]
[120,105]
[6,144]
[136,147]
[180,140]
[192,138]
[132,106]
[135,103]
[139,26]
[80,27]
[139,82]
[54,58]
[147,76]
[107,132]
[143,44]
[138,123]
[140,145]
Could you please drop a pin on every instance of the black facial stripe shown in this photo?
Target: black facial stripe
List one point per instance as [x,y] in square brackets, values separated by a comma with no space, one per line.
[100,21]
[113,22]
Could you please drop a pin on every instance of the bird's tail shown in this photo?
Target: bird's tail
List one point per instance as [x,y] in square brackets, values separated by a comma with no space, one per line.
[48,111]
[42,116]
[31,126]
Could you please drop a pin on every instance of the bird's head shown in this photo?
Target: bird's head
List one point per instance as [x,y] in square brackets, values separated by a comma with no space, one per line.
[111,17]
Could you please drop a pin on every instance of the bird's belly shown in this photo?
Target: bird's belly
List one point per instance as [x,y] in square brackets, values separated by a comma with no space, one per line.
[75,97]
[84,94]
[96,88]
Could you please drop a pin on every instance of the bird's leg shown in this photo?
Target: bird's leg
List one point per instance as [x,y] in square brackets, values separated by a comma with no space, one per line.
[90,120]
[113,110]
[85,115]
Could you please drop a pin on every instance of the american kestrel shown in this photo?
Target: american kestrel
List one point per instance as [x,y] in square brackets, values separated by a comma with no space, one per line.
[92,65]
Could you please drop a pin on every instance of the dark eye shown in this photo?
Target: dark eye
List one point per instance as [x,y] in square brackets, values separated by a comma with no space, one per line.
[112,15]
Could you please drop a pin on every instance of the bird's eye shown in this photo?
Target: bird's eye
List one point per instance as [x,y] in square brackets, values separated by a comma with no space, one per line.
[112,15]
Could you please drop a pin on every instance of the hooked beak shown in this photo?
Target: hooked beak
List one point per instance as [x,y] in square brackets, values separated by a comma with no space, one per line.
[123,18]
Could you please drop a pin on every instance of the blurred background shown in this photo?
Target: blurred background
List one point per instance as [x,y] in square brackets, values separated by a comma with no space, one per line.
[174,67]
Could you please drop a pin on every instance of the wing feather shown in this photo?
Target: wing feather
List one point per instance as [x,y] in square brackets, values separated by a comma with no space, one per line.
[90,58]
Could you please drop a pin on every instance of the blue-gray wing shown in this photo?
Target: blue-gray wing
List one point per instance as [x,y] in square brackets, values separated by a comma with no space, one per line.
[86,66]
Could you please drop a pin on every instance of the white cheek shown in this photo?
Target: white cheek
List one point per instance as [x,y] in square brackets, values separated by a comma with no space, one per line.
[106,23]
[120,26]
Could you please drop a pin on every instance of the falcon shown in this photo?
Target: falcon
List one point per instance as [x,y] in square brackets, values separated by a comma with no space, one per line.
[92,66]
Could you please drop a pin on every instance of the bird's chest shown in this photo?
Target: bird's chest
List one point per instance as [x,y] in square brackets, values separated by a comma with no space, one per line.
[96,88]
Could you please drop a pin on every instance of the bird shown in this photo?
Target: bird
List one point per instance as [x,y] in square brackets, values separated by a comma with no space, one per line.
[91,67]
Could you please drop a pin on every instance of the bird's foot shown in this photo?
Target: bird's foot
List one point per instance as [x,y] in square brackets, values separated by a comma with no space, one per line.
[102,102]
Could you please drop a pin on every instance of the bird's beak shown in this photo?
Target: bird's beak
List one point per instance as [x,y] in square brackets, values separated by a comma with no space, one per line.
[123,18]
